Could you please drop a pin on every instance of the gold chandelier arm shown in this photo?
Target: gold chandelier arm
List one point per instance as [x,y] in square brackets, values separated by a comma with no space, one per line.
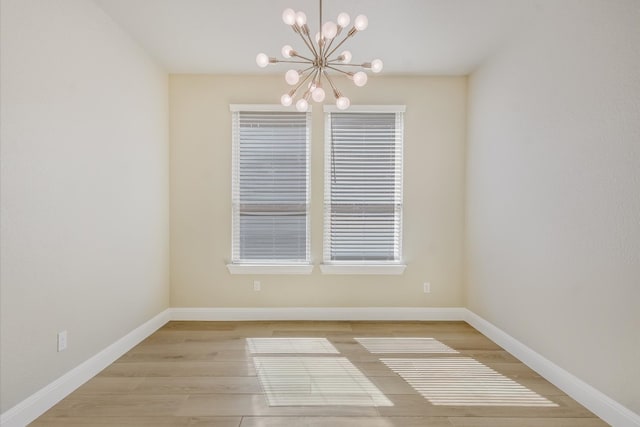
[320,32]
[310,44]
[336,92]
[301,81]
[315,75]
[320,62]
[294,62]
[318,76]
[302,57]
[301,33]
[349,34]
[329,46]
[307,69]
[320,20]
[340,64]
[338,70]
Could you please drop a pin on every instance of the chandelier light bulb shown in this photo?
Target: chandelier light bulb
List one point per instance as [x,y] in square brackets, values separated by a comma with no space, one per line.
[361,23]
[346,56]
[343,20]
[318,94]
[287,51]
[376,65]
[301,18]
[289,16]
[302,105]
[360,78]
[262,60]
[318,64]
[286,100]
[292,77]
[343,103]
[329,30]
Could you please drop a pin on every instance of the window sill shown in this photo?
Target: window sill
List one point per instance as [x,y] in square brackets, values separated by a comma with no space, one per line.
[373,269]
[270,268]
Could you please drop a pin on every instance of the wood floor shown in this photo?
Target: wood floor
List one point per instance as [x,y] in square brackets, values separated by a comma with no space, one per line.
[316,374]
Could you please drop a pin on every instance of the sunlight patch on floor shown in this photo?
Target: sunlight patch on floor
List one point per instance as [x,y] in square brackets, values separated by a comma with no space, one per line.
[314,381]
[291,345]
[463,381]
[404,345]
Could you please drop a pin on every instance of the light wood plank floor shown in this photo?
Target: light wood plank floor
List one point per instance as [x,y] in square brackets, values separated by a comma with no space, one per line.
[316,374]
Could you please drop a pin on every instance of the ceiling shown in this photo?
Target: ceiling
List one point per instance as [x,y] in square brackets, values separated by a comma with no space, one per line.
[432,37]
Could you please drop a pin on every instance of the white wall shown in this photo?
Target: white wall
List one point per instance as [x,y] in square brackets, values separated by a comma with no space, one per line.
[84,187]
[553,200]
[553,178]
[435,130]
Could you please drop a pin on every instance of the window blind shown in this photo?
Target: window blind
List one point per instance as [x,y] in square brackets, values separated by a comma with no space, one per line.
[270,187]
[363,187]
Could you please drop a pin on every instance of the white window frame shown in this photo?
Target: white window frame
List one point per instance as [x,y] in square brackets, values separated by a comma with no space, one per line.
[237,266]
[329,266]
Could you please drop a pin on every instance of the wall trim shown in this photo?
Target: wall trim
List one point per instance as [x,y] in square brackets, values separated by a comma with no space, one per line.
[600,404]
[319,313]
[594,400]
[360,269]
[38,403]
[270,268]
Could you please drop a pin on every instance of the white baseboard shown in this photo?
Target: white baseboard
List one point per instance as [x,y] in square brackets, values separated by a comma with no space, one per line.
[41,401]
[320,313]
[597,402]
[603,406]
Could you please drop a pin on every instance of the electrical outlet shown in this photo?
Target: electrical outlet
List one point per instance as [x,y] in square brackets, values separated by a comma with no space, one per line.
[256,285]
[427,287]
[62,341]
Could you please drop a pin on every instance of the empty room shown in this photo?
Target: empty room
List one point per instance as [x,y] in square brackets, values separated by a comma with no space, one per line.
[285,213]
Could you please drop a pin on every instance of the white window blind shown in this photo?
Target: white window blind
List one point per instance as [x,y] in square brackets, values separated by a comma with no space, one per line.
[363,187]
[270,187]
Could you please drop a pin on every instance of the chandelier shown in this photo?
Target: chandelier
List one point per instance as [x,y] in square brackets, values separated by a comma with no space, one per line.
[321,60]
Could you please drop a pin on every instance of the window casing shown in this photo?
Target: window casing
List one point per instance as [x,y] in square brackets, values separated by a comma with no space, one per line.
[363,187]
[270,186]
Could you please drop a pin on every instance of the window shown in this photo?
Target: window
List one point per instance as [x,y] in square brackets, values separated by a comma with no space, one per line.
[363,190]
[270,195]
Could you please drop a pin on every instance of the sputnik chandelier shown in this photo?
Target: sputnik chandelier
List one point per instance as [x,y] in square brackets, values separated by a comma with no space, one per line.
[322,59]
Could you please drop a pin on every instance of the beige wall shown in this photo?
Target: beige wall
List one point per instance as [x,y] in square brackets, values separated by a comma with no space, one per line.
[84,187]
[552,177]
[201,196]
[553,205]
